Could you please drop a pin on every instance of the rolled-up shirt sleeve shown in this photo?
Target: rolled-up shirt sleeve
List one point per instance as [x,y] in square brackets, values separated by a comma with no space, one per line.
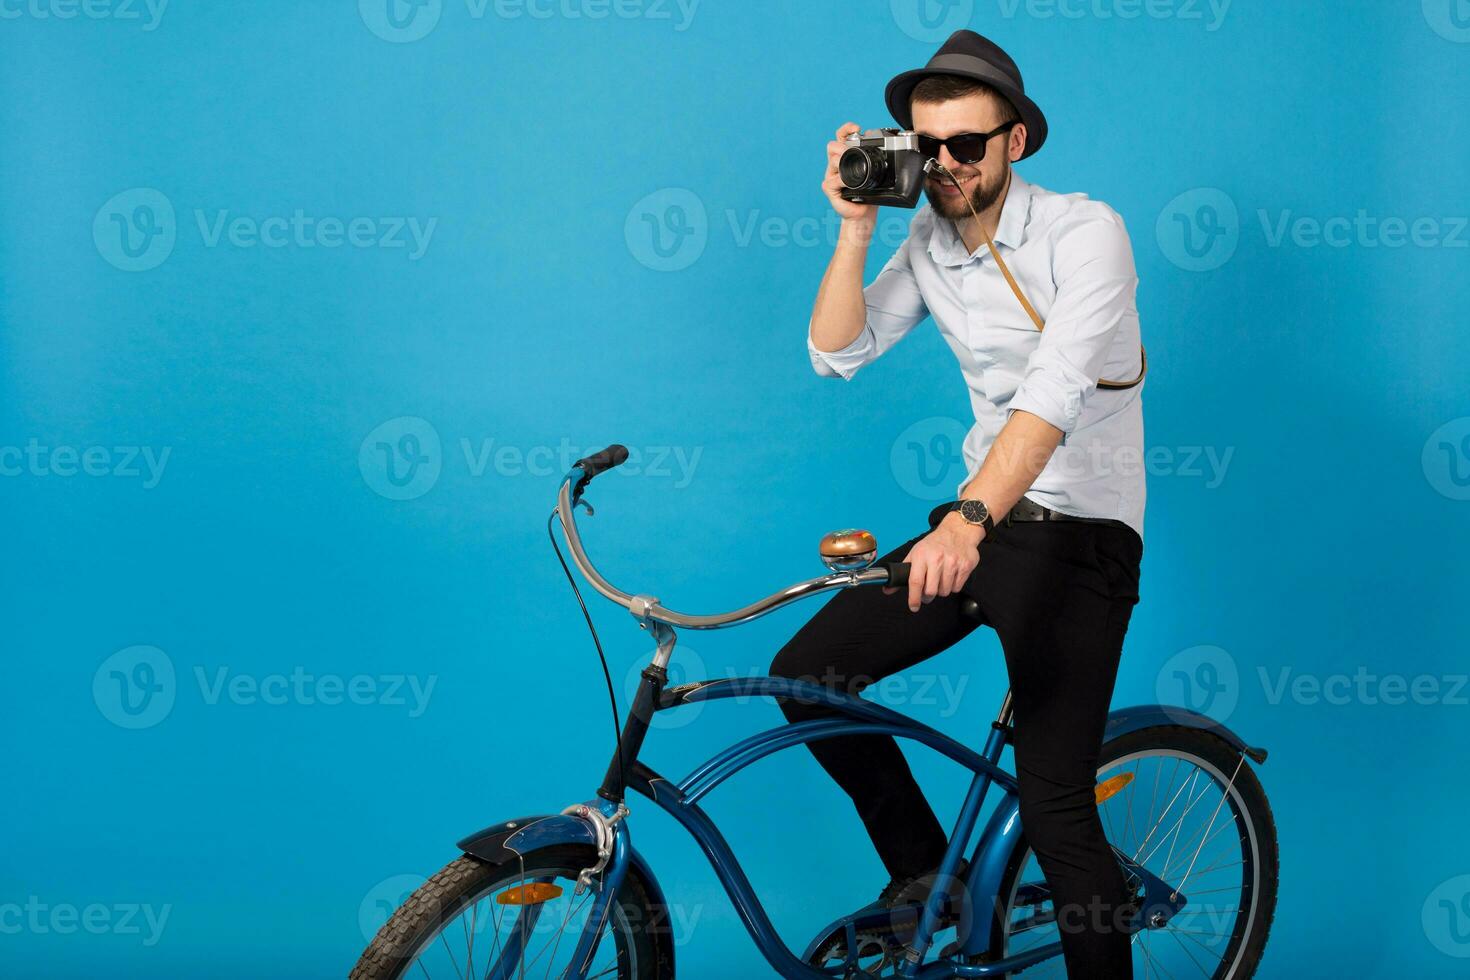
[894,308]
[1096,288]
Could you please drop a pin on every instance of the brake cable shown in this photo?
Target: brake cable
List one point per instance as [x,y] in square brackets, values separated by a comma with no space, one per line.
[611,694]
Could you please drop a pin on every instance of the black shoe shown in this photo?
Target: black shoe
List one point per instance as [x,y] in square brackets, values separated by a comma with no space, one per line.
[914,889]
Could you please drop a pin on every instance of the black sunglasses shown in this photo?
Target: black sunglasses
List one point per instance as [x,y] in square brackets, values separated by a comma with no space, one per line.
[966,148]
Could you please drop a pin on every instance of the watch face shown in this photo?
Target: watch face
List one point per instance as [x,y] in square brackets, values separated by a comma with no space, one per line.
[974,511]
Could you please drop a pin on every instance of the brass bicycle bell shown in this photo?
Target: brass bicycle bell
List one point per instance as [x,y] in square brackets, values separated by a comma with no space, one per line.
[848,550]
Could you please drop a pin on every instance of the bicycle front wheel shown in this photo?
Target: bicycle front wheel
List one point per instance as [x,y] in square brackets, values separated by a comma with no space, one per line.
[518,919]
[1186,806]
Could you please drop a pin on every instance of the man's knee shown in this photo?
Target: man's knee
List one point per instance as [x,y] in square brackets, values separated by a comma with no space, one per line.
[1055,816]
[801,659]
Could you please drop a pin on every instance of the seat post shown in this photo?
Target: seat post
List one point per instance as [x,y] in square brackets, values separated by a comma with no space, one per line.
[1003,720]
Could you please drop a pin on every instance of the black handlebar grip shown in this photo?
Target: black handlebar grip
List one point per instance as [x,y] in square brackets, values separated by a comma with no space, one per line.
[898,574]
[614,455]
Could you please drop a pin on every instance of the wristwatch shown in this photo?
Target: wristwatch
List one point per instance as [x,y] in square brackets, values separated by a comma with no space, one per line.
[974,512]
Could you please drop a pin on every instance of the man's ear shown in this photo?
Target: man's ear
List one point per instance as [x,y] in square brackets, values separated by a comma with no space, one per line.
[1017,143]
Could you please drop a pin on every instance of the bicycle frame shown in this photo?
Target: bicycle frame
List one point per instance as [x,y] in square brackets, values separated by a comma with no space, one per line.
[600,821]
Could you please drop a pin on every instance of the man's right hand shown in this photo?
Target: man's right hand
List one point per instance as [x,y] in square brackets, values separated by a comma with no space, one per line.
[832,183]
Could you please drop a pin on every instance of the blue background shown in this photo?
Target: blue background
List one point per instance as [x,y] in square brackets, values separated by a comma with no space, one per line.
[1332,544]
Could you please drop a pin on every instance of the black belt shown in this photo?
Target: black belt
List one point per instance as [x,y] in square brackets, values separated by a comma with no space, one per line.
[1029,510]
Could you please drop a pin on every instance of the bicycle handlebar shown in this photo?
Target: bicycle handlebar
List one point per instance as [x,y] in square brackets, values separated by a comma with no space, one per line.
[648,607]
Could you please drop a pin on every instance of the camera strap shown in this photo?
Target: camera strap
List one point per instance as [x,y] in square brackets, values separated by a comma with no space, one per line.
[1025,303]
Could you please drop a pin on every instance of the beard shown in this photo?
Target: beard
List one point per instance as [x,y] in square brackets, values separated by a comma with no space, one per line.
[983,195]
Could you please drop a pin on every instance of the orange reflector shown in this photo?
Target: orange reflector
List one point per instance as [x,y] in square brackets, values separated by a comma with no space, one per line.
[1110,787]
[531,894]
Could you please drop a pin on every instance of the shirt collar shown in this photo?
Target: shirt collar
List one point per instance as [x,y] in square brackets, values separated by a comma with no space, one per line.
[947,248]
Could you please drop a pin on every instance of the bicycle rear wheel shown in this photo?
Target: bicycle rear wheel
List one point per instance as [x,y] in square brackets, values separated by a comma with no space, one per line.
[1191,810]
[518,919]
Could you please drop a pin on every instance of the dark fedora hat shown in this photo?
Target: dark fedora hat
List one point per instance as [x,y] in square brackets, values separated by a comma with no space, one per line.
[968,55]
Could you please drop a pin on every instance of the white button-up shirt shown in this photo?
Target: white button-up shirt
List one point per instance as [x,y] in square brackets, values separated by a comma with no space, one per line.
[1073,260]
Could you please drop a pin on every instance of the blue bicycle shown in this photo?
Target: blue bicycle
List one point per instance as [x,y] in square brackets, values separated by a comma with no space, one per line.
[567,895]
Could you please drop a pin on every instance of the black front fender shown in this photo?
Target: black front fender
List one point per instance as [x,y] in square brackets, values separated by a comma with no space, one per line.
[552,828]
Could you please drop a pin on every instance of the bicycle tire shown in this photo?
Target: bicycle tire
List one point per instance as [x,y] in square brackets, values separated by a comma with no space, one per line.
[440,901]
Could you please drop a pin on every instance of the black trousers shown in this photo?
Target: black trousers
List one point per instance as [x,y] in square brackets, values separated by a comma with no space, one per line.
[1059,596]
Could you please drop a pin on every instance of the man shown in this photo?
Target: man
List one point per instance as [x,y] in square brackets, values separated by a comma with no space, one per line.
[1046,536]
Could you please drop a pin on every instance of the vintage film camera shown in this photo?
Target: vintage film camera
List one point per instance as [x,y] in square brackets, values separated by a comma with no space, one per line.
[883,166]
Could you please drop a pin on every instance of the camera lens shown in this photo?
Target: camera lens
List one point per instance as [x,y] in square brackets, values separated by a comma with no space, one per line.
[862,167]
